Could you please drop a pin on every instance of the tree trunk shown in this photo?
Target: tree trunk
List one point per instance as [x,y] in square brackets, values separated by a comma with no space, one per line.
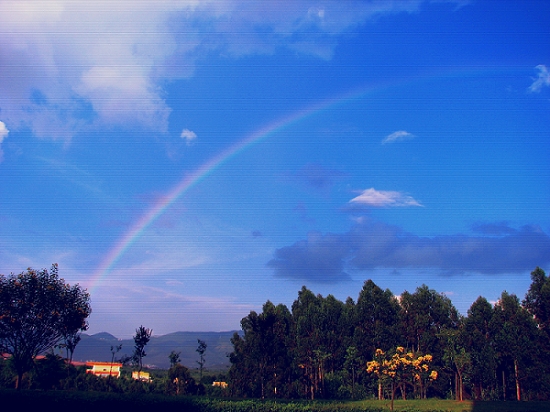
[503,386]
[460,387]
[516,371]
[380,391]
[478,391]
[353,384]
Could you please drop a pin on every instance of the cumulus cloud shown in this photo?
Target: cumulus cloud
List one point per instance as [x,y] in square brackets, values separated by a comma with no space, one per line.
[398,136]
[382,198]
[189,136]
[374,245]
[542,79]
[3,134]
[106,62]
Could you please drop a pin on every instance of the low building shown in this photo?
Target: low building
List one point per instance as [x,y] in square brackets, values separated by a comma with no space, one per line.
[141,376]
[220,384]
[104,369]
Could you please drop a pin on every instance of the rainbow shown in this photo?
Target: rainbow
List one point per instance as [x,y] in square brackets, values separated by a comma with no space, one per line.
[190,180]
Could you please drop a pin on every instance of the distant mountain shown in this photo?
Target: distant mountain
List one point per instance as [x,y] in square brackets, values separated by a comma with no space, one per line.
[98,348]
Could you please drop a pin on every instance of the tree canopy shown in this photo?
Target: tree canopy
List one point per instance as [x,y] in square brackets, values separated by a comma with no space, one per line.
[321,348]
[38,310]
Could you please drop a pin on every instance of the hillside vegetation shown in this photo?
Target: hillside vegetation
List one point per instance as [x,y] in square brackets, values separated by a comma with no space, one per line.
[97,347]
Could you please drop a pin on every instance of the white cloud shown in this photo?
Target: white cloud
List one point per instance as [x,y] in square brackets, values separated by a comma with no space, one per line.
[398,136]
[381,198]
[3,134]
[189,136]
[72,61]
[543,79]
[3,131]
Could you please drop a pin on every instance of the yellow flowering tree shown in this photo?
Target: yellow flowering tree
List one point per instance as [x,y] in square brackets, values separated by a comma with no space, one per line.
[400,369]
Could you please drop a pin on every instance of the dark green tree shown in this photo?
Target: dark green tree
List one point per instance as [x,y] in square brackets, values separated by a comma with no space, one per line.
[456,356]
[352,364]
[537,302]
[306,314]
[261,359]
[179,381]
[376,320]
[201,349]
[425,314]
[537,299]
[48,372]
[141,339]
[516,337]
[479,343]
[334,337]
[174,358]
[38,310]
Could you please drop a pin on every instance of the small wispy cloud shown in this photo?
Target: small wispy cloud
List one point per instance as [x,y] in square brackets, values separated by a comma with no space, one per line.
[383,198]
[398,136]
[189,136]
[3,134]
[542,79]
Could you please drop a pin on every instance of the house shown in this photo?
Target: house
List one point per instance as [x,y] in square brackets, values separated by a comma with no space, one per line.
[220,384]
[141,376]
[104,369]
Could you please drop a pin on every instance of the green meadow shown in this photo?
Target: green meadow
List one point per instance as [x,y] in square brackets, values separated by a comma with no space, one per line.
[88,401]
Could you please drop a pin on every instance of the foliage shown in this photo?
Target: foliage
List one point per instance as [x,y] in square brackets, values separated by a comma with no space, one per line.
[480,346]
[262,358]
[179,381]
[327,349]
[320,348]
[201,349]
[402,368]
[37,311]
[174,358]
[141,339]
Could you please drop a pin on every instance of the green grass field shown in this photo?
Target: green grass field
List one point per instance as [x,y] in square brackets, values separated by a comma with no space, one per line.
[428,405]
[93,401]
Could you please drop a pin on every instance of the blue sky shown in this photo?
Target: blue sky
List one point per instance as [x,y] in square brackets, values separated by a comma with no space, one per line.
[188,160]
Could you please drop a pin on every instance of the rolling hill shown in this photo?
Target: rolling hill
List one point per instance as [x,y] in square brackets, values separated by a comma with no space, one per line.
[97,347]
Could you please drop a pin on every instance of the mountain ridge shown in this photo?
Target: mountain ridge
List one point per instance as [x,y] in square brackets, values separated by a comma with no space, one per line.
[99,347]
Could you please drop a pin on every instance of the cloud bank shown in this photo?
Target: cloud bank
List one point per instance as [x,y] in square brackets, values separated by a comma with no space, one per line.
[330,258]
[78,63]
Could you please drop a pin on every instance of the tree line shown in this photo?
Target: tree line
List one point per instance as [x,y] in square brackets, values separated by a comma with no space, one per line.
[321,346]
[416,345]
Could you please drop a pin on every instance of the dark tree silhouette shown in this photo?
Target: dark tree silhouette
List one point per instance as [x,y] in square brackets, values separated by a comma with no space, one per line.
[141,339]
[38,310]
[201,349]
